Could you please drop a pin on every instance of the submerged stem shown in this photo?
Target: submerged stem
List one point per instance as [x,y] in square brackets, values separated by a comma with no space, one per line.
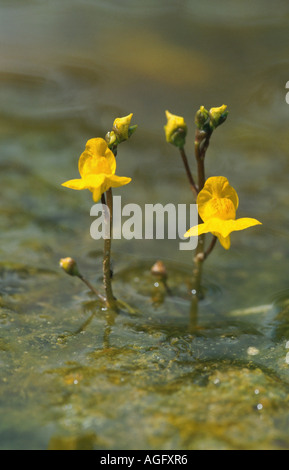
[107,274]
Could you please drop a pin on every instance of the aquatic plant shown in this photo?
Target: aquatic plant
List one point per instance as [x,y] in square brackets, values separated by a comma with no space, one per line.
[97,166]
[216,199]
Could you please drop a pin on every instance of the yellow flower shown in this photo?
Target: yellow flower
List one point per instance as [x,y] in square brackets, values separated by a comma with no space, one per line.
[175,130]
[97,167]
[217,205]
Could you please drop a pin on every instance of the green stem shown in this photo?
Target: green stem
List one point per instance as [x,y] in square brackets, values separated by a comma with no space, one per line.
[110,299]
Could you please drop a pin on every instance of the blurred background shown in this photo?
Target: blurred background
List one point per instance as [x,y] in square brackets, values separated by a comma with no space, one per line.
[68,68]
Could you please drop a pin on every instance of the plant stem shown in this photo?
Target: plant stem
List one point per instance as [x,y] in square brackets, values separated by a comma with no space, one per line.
[201,145]
[210,247]
[188,171]
[110,299]
[202,139]
[90,286]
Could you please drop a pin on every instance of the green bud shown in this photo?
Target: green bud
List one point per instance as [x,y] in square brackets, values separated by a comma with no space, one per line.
[202,118]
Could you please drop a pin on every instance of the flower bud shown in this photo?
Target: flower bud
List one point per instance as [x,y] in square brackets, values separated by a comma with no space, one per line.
[175,130]
[111,139]
[218,115]
[202,118]
[69,266]
[159,269]
[121,128]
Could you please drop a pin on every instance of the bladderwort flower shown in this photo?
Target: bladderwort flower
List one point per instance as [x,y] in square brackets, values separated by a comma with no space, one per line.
[97,165]
[217,206]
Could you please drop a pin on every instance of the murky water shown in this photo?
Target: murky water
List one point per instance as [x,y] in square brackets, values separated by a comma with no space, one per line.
[72,375]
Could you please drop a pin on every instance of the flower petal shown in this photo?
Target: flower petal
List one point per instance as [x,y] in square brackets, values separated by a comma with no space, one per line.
[221,228]
[239,224]
[94,181]
[96,158]
[225,241]
[121,126]
[97,193]
[221,208]
[116,181]
[217,188]
[99,184]
[75,184]
[199,229]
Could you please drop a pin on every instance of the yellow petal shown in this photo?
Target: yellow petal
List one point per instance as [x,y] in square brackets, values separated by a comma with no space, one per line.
[205,228]
[221,208]
[222,228]
[116,181]
[92,165]
[239,224]
[104,183]
[218,115]
[225,241]
[198,230]
[96,193]
[225,227]
[121,126]
[75,184]
[96,158]
[174,125]
[216,188]
[94,181]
